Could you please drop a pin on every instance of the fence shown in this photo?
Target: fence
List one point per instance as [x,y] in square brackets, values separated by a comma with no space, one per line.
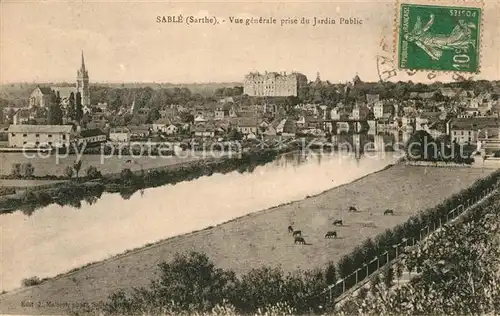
[339,290]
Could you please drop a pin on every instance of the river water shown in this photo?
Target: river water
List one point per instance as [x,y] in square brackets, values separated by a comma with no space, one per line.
[56,239]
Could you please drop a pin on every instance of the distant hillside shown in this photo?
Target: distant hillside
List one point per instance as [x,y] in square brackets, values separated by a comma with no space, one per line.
[19,92]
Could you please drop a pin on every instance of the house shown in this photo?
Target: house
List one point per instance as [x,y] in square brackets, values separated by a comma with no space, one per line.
[426,118]
[161,125]
[91,137]
[380,108]
[200,118]
[23,116]
[360,112]
[268,129]
[204,130]
[407,122]
[139,131]
[286,128]
[32,136]
[119,134]
[465,130]
[171,129]
[247,126]
[220,113]
[436,129]
[40,97]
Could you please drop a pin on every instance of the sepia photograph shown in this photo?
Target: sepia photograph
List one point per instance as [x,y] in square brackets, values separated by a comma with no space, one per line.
[248,157]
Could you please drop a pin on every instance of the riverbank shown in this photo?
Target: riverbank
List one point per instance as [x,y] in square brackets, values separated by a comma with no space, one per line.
[129,181]
[261,238]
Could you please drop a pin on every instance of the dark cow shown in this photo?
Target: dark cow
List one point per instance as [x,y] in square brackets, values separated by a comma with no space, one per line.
[331,234]
[338,222]
[299,240]
[128,161]
[388,212]
[297,233]
[352,209]
[290,229]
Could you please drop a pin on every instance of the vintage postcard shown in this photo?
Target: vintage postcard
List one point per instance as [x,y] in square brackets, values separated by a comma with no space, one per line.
[249,157]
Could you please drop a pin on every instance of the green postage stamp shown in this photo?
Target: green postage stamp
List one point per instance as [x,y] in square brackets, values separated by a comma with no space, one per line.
[442,38]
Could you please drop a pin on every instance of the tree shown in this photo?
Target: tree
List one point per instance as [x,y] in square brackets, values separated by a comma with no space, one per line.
[234,134]
[16,170]
[77,166]
[68,171]
[71,110]
[55,114]
[78,107]
[422,146]
[27,170]
[127,176]
[93,173]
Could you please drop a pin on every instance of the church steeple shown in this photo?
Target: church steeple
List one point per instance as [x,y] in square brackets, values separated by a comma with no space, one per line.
[82,83]
[83,62]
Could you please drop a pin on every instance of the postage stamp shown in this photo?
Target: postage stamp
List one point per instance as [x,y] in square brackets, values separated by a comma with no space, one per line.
[441,38]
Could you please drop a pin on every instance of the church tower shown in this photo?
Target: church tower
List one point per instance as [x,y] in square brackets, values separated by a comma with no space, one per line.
[82,84]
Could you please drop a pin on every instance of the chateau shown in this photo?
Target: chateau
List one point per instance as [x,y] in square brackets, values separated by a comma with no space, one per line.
[273,84]
[82,84]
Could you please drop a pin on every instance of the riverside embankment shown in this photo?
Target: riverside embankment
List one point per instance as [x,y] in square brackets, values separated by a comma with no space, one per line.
[259,238]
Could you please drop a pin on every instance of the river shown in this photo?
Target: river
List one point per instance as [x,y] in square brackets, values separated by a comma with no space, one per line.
[56,239]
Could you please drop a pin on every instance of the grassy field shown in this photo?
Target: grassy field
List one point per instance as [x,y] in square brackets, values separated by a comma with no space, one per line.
[262,238]
[115,164]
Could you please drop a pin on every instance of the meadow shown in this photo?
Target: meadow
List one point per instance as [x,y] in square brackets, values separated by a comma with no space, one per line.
[261,238]
[112,165]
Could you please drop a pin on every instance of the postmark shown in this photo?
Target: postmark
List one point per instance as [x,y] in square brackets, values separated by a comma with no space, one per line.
[438,37]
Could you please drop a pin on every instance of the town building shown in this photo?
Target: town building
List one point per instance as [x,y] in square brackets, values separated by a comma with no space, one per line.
[119,134]
[360,112]
[465,130]
[273,84]
[380,108]
[82,84]
[91,137]
[247,126]
[33,136]
[40,97]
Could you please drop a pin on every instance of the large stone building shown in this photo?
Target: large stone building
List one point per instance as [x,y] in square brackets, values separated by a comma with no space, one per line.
[40,97]
[33,136]
[82,84]
[273,84]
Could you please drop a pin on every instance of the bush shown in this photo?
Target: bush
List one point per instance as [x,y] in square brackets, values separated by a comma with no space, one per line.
[93,173]
[7,191]
[27,170]
[16,170]
[31,281]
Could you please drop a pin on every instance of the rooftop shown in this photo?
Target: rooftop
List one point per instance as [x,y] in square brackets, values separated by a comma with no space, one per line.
[40,128]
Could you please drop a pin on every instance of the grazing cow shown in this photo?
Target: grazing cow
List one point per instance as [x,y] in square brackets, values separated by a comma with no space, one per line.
[352,209]
[290,229]
[387,212]
[128,161]
[338,222]
[331,234]
[297,233]
[299,240]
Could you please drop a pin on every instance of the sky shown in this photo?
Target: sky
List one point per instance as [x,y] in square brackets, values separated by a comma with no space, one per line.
[41,41]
